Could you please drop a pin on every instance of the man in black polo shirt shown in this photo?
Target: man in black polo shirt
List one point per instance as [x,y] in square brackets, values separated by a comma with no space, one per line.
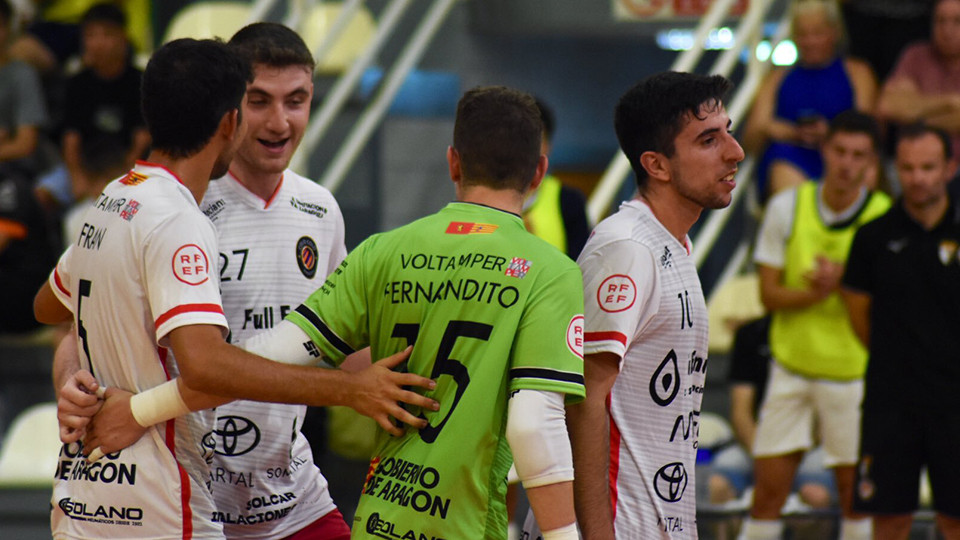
[902,289]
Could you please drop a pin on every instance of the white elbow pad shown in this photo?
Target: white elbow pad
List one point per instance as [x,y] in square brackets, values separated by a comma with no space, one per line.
[286,343]
[537,433]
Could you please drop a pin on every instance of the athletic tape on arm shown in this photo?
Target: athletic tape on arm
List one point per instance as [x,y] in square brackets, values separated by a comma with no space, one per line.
[285,343]
[158,404]
[537,434]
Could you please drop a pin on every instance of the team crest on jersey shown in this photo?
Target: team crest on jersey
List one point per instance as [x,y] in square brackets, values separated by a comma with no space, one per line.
[307,256]
[191,265]
[130,210]
[518,268]
[617,293]
[133,178]
[467,227]
[948,248]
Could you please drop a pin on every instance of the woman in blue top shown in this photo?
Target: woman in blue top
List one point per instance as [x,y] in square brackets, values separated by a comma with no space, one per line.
[794,106]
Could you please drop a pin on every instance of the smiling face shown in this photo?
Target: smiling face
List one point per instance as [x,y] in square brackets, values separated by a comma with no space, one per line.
[705,157]
[276,112]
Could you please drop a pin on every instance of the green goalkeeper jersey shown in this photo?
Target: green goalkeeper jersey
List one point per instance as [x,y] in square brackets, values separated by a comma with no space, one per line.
[490,309]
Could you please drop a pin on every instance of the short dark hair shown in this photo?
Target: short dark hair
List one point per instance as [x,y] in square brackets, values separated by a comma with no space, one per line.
[497,134]
[187,87]
[272,44]
[915,130]
[650,115]
[854,121]
[104,12]
[546,116]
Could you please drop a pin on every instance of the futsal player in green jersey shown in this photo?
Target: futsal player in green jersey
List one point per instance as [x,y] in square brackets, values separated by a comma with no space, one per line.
[492,312]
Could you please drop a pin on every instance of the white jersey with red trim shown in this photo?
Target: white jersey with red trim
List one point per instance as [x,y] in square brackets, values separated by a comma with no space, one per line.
[643,302]
[273,255]
[142,265]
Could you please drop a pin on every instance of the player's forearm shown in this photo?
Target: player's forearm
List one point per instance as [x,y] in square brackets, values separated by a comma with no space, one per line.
[589,429]
[256,378]
[537,434]
[66,361]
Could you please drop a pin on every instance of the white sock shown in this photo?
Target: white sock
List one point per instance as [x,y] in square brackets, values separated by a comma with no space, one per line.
[761,529]
[856,529]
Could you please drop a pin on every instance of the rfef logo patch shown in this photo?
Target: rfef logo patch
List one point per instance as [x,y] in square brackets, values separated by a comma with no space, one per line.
[518,268]
[307,256]
[617,293]
[130,210]
[467,227]
[191,265]
[575,335]
[133,178]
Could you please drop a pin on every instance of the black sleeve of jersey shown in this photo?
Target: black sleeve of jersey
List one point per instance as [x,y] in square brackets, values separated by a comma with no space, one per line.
[860,263]
[751,353]
[573,208]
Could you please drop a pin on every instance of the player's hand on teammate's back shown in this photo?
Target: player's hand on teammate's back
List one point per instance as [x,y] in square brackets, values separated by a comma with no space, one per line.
[113,428]
[77,402]
[378,389]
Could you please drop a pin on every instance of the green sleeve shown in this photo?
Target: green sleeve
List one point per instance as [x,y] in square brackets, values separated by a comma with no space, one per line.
[548,350]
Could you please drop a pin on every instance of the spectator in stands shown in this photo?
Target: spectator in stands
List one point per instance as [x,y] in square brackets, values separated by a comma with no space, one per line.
[104,98]
[793,108]
[819,363]
[925,84]
[103,159]
[880,29]
[732,466]
[53,36]
[902,289]
[555,212]
[25,247]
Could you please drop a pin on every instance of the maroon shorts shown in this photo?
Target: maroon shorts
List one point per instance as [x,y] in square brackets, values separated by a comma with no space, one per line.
[329,527]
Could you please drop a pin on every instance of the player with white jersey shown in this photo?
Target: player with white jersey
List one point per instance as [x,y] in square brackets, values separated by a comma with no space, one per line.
[159,483]
[280,235]
[645,341]
[644,304]
[273,254]
[158,486]
[140,286]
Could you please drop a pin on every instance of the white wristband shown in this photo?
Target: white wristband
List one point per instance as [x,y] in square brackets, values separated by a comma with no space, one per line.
[158,404]
[568,532]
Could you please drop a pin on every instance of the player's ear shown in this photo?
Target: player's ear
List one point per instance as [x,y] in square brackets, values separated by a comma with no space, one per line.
[229,124]
[453,162]
[538,175]
[656,164]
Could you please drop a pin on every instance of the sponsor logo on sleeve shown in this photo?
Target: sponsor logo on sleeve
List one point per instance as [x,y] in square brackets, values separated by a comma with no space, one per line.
[518,268]
[575,335]
[130,210]
[617,293]
[191,265]
[307,257]
[468,227]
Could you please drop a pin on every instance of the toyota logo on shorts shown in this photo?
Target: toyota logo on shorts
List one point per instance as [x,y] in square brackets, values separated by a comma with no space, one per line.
[235,435]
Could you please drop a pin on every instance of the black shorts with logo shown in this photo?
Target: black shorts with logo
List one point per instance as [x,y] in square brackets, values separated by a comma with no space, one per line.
[895,444]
